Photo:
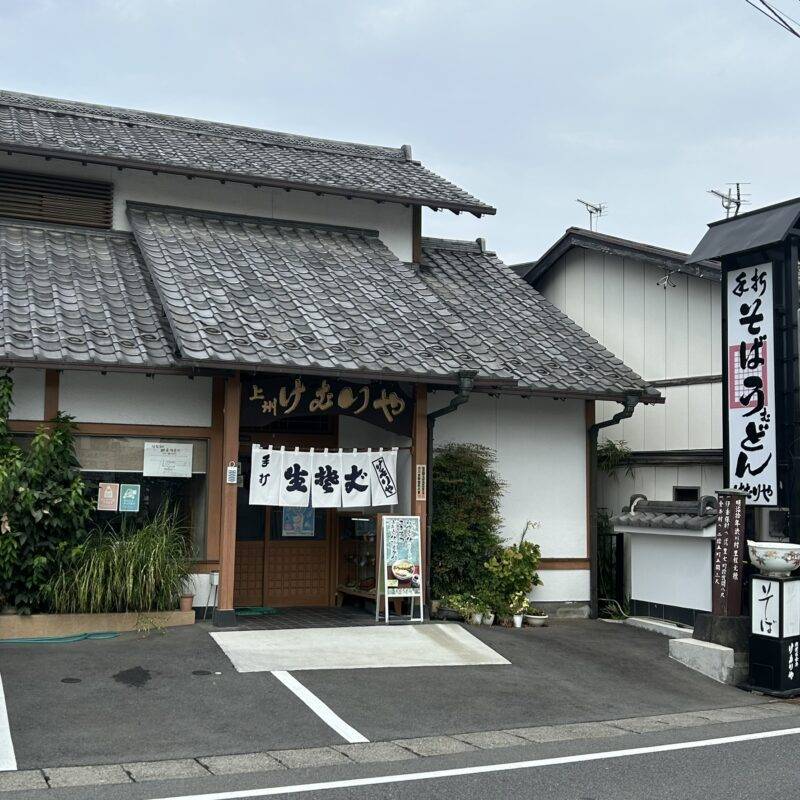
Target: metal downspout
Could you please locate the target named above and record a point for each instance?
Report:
(631, 401)
(466, 380)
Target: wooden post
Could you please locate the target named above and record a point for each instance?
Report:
(419, 473)
(224, 614)
(51, 383)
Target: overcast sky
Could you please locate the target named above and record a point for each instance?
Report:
(641, 104)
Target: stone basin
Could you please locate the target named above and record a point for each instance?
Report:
(774, 559)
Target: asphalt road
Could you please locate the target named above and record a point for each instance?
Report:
(753, 768)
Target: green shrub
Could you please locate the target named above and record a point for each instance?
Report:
(43, 504)
(512, 574)
(142, 567)
(466, 519)
(612, 456)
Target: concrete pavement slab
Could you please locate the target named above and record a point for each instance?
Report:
(488, 740)
(435, 745)
(309, 757)
(736, 714)
(23, 779)
(245, 762)
(563, 733)
(59, 777)
(368, 752)
(155, 770)
(689, 719)
(640, 724)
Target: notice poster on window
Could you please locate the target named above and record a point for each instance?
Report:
(750, 405)
(167, 460)
(402, 556)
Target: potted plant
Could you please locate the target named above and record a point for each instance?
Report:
(519, 606)
(186, 601)
(536, 617)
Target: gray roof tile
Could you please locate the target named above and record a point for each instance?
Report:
(519, 329)
(190, 146)
(72, 295)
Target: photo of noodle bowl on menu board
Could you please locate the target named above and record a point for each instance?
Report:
(401, 556)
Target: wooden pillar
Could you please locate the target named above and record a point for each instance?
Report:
(224, 614)
(51, 382)
(419, 472)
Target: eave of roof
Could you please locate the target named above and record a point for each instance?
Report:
(671, 260)
(754, 230)
(458, 201)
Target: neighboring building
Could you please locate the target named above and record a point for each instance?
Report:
(662, 319)
(169, 280)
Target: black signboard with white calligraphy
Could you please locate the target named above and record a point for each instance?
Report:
(752, 457)
(726, 585)
(266, 399)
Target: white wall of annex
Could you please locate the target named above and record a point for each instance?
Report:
(540, 445)
(660, 333)
(135, 399)
(27, 394)
(391, 220)
(562, 586)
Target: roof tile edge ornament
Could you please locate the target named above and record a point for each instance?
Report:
(424, 187)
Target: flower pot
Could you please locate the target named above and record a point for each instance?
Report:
(435, 605)
(488, 618)
(186, 602)
(476, 618)
(774, 559)
(518, 620)
(536, 620)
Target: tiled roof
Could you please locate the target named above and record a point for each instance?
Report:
(272, 294)
(677, 515)
(29, 123)
(77, 296)
(528, 335)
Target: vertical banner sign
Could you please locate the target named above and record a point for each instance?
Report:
(751, 398)
(402, 556)
(726, 586)
(384, 477)
(266, 470)
(295, 488)
(356, 472)
(326, 491)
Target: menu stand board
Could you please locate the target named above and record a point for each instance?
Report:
(400, 565)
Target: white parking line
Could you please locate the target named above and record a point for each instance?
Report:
(482, 770)
(348, 733)
(8, 761)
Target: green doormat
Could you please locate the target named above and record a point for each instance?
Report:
(255, 611)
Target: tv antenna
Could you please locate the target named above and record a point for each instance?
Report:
(733, 199)
(596, 210)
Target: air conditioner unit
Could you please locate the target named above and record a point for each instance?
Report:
(772, 524)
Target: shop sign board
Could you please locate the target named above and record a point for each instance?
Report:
(402, 561)
(129, 496)
(167, 460)
(107, 496)
(726, 585)
(385, 404)
(751, 402)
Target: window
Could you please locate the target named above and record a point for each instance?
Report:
(120, 459)
(686, 493)
(50, 198)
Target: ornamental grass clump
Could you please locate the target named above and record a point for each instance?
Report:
(141, 567)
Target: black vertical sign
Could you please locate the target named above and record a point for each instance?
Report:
(726, 585)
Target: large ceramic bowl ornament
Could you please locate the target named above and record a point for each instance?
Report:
(774, 559)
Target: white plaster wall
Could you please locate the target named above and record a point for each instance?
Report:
(659, 333)
(135, 398)
(562, 586)
(671, 570)
(656, 483)
(540, 445)
(391, 220)
(359, 434)
(28, 394)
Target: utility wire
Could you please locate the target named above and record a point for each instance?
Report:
(774, 15)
